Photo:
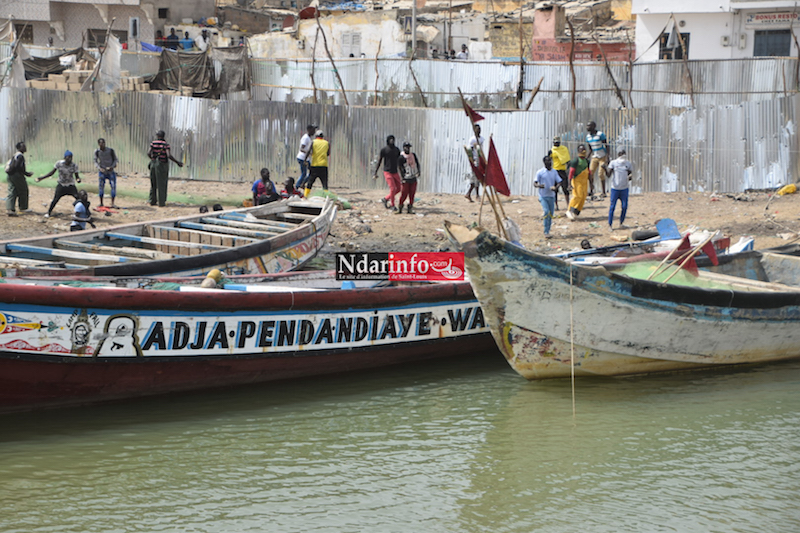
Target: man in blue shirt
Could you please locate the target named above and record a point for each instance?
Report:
(547, 180)
(598, 156)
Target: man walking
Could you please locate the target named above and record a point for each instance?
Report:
(547, 180)
(560, 155)
(621, 174)
(160, 156)
(320, 154)
(598, 153)
(302, 155)
(390, 156)
(579, 180)
(476, 147)
(410, 171)
(67, 178)
(105, 159)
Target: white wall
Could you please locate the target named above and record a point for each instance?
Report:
(706, 28)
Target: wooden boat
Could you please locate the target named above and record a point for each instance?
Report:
(549, 316)
(67, 341)
(271, 238)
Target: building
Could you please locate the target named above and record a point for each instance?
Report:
(715, 29)
(67, 22)
(593, 22)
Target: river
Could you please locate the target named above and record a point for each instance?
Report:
(454, 445)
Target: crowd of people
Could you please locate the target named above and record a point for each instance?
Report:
(573, 176)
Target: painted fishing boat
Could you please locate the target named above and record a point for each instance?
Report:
(271, 238)
(68, 341)
(551, 317)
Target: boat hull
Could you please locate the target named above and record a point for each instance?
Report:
(66, 345)
(549, 318)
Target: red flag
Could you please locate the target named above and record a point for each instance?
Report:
(711, 252)
(473, 116)
(494, 172)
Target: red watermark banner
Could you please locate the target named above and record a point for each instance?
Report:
(401, 266)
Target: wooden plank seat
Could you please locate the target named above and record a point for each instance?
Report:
(228, 231)
(69, 254)
(242, 225)
(241, 217)
(297, 216)
(167, 242)
(113, 250)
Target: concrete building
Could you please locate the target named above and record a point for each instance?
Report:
(66, 22)
(716, 29)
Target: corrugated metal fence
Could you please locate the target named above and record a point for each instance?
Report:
(493, 85)
(724, 148)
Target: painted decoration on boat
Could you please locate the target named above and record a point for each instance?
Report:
(98, 333)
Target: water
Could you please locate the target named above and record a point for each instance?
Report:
(457, 445)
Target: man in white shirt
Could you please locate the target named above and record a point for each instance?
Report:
(464, 53)
(202, 41)
(302, 155)
(476, 147)
(621, 173)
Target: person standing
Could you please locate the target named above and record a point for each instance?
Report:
(302, 155)
(160, 156)
(390, 156)
(320, 153)
(560, 156)
(202, 40)
(81, 214)
(621, 174)
(105, 159)
(547, 181)
(67, 178)
(409, 170)
(464, 53)
(172, 39)
(598, 154)
(476, 148)
(579, 180)
(187, 43)
(17, 183)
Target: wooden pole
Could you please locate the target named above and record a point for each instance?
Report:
(608, 70)
(314, 64)
(534, 93)
(377, 75)
(630, 69)
(685, 61)
(414, 76)
(330, 58)
(694, 253)
(521, 84)
(572, 58)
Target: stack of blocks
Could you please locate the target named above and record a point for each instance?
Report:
(73, 80)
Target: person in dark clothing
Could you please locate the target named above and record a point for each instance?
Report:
(264, 190)
(17, 184)
(67, 178)
(173, 40)
(160, 156)
(410, 170)
(81, 214)
(390, 156)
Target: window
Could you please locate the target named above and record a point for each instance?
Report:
(163, 13)
(773, 43)
(351, 44)
(24, 33)
(98, 37)
(672, 53)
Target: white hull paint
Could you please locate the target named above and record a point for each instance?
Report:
(544, 324)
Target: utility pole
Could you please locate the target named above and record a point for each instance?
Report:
(413, 28)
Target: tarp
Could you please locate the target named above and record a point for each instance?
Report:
(232, 69)
(41, 67)
(180, 69)
(109, 78)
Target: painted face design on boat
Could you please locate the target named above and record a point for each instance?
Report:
(120, 339)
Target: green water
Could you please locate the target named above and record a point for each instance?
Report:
(449, 446)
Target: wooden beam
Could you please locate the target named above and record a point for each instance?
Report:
(226, 231)
(81, 256)
(113, 250)
(167, 242)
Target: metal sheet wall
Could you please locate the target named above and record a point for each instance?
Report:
(723, 148)
(493, 85)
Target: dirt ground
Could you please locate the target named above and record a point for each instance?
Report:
(772, 220)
